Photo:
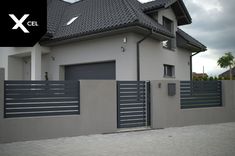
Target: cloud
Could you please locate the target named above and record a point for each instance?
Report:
(213, 25)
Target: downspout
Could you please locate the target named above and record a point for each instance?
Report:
(191, 65)
(138, 53)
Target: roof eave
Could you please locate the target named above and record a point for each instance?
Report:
(201, 48)
(191, 48)
(185, 18)
(153, 9)
(136, 28)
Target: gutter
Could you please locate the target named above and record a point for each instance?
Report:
(138, 53)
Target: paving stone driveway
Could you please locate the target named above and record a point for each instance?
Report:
(203, 140)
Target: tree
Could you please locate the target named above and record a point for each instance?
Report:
(227, 61)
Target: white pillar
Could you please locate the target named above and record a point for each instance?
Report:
(36, 61)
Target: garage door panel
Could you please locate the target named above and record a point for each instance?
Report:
(97, 71)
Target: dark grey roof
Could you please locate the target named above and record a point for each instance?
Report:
(97, 16)
(55, 9)
(190, 40)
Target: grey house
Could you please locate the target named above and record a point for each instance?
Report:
(226, 74)
(108, 39)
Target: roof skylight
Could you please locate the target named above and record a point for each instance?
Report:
(71, 20)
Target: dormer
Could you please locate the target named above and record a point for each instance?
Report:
(177, 6)
(170, 14)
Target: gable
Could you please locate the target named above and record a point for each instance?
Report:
(168, 13)
(182, 15)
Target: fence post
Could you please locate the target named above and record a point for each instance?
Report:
(2, 77)
(221, 93)
(118, 107)
(148, 103)
(79, 98)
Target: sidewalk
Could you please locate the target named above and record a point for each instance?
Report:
(203, 140)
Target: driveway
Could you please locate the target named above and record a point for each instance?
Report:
(202, 140)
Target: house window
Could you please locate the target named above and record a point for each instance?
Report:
(168, 24)
(169, 70)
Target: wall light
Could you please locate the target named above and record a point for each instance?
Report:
(125, 40)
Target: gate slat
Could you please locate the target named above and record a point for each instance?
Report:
(134, 121)
(54, 99)
(132, 125)
(132, 117)
(41, 105)
(132, 98)
(25, 109)
(38, 114)
(132, 105)
(132, 109)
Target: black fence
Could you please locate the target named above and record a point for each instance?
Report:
(133, 104)
(41, 98)
(196, 94)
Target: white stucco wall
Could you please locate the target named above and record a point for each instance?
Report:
(153, 56)
(15, 64)
(12, 60)
(97, 50)
(5, 52)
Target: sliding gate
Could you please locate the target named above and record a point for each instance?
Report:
(133, 103)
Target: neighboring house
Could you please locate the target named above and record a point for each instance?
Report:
(108, 39)
(199, 75)
(226, 74)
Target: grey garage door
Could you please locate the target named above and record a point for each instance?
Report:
(95, 71)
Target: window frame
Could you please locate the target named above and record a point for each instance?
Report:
(166, 71)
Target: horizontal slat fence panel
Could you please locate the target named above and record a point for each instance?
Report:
(198, 94)
(41, 98)
(132, 104)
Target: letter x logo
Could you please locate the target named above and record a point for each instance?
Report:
(19, 23)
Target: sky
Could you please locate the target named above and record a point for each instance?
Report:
(214, 26)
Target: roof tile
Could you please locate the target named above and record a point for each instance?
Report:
(97, 15)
